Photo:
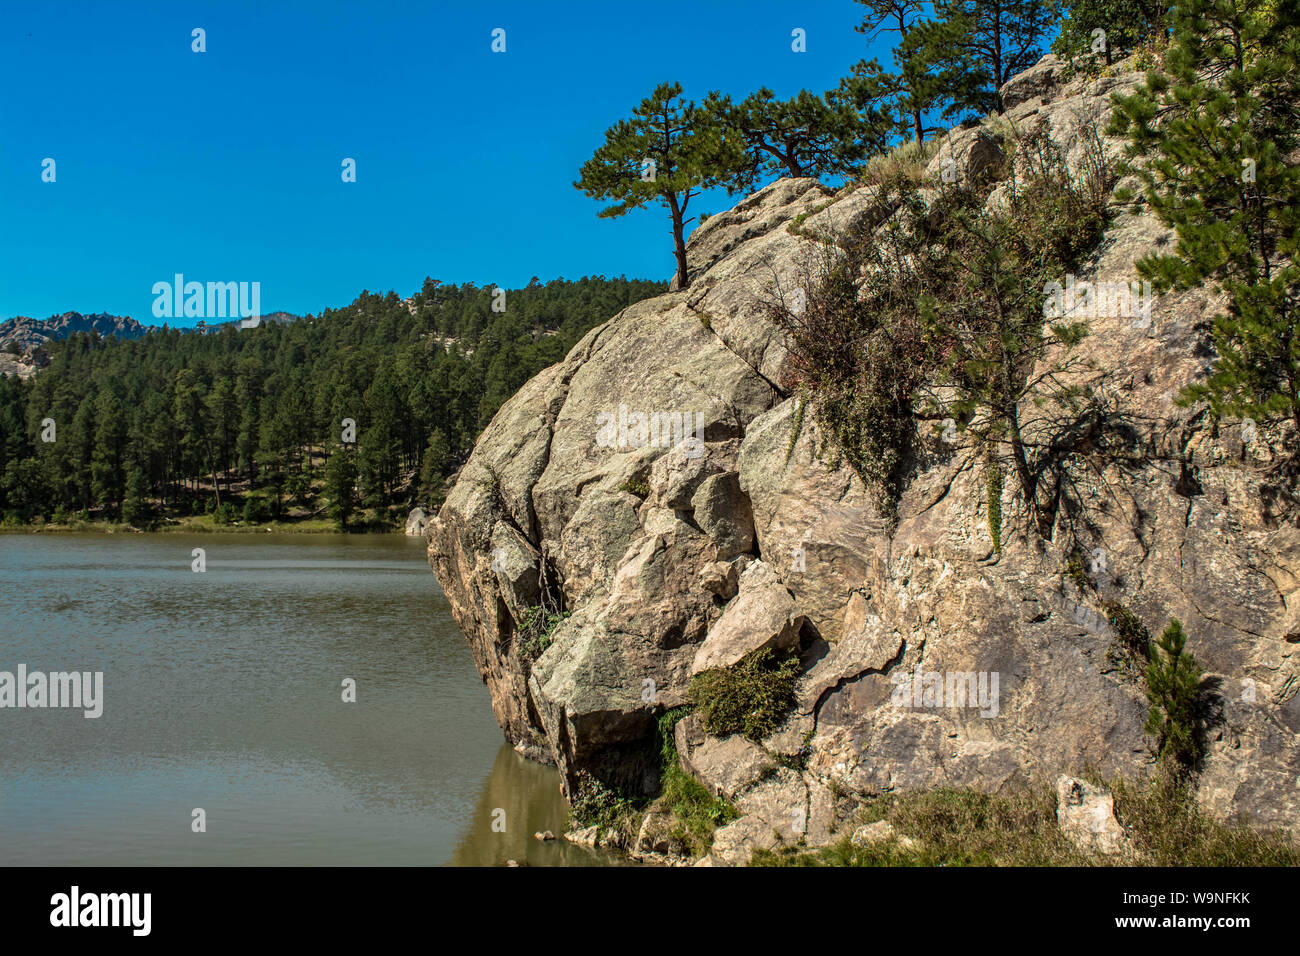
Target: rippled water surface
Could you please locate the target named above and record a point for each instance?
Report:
(222, 691)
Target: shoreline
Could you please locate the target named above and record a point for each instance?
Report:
(108, 528)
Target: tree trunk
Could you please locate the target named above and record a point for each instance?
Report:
(1028, 484)
(998, 78)
(679, 243)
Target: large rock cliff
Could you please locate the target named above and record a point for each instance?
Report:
(680, 553)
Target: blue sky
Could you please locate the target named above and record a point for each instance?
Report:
(225, 165)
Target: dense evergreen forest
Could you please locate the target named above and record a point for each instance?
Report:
(249, 424)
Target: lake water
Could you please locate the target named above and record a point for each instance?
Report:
(223, 691)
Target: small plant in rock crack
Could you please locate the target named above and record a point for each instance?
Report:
(636, 486)
(798, 761)
(1132, 639)
(536, 631)
(993, 488)
(489, 482)
(1074, 570)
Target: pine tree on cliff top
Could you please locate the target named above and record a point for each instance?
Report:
(915, 90)
(973, 47)
(807, 135)
(1123, 25)
(669, 151)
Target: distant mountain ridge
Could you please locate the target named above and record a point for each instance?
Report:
(27, 333)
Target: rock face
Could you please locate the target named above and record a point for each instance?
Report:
(13, 365)
(662, 487)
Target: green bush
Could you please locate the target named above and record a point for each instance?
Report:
(596, 804)
(751, 697)
(636, 486)
(257, 510)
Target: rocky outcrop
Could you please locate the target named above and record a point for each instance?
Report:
(762, 616)
(22, 334)
(663, 488)
(23, 367)
(416, 522)
(1086, 815)
(1039, 82)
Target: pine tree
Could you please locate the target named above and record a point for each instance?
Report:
(973, 47)
(107, 466)
(807, 135)
(1123, 25)
(223, 414)
(912, 88)
(341, 486)
(432, 469)
(134, 507)
(377, 463)
(1217, 131)
(669, 151)
(1173, 686)
(76, 462)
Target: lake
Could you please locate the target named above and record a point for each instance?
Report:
(223, 691)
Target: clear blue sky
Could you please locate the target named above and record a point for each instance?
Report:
(225, 165)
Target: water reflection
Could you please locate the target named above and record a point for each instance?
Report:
(529, 793)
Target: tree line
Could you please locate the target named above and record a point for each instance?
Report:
(951, 59)
(248, 423)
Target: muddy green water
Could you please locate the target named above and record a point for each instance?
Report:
(223, 690)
